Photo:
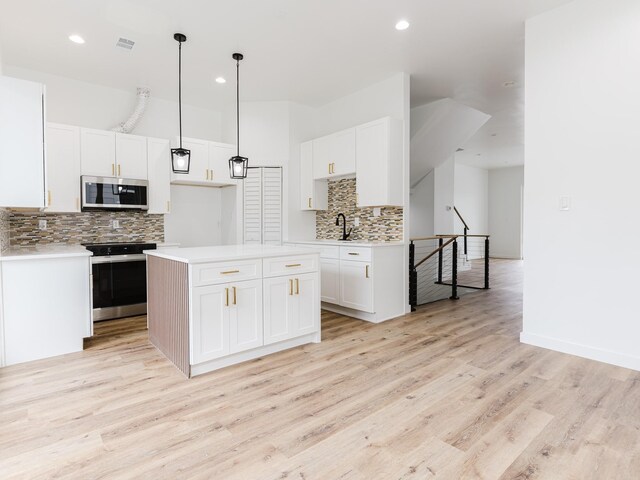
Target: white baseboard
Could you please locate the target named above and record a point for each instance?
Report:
(592, 353)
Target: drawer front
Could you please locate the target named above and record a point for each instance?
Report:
(293, 265)
(224, 272)
(357, 254)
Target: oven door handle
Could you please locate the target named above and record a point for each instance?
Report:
(118, 259)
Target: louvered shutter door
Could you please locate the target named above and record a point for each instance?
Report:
(253, 206)
(272, 206)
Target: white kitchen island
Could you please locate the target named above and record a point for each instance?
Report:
(211, 307)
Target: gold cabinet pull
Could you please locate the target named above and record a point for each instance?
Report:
(294, 265)
(329, 168)
(207, 174)
(366, 272)
(48, 198)
(235, 296)
(113, 169)
(211, 174)
(333, 168)
(297, 287)
(229, 272)
(353, 253)
(118, 170)
(309, 202)
(168, 206)
(290, 286)
(226, 295)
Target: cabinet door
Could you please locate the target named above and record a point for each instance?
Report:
(98, 152)
(278, 310)
(356, 285)
(330, 280)
(199, 162)
(131, 156)
(210, 323)
(22, 160)
(306, 176)
(322, 158)
(307, 305)
(245, 325)
(219, 155)
(159, 168)
(63, 168)
(343, 152)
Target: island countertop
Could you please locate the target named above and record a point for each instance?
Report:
(196, 255)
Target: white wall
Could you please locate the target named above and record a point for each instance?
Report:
(581, 265)
(89, 105)
(505, 211)
(471, 197)
(422, 207)
(443, 197)
(195, 217)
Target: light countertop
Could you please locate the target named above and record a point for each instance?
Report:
(340, 243)
(194, 255)
(43, 252)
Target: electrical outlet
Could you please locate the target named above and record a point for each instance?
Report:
(42, 224)
(356, 222)
(115, 224)
(377, 211)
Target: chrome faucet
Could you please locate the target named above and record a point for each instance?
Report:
(345, 235)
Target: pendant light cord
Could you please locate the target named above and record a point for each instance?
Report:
(238, 105)
(180, 89)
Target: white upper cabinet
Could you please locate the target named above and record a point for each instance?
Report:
(209, 163)
(131, 156)
(379, 163)
(219, 155)
(22, 144)
(322, 157)
(343, 153)
(98, 152)
(335, 155)
(63, 168)
(159, 169)
(313, 193)
(104, 153)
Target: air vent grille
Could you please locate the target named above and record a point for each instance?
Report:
(125, 43)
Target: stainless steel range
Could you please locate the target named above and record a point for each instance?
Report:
(119, 272)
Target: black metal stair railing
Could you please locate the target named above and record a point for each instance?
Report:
(438, 270)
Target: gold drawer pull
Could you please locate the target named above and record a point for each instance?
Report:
(353, 253)
(290, 286)
(309, 202)
(367, 272)
(229, 272)
(294, 265)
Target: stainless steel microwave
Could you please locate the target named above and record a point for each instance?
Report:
(107, 193)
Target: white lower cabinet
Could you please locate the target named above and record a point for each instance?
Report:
(290, 307)
(330, 280)
(227, 319)
(356, 285)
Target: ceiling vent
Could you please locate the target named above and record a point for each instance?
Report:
(125, 43)
(460, 150)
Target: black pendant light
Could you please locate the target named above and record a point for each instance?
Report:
(238, 165)
(180, 157)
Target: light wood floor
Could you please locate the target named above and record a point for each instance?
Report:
(447, 392)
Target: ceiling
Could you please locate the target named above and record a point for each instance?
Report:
(307, 51)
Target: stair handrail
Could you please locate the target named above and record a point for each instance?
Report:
(437, 250)
(461, 219)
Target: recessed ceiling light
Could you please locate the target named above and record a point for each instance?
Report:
(76, 39)
(402, 25)
(221, 80)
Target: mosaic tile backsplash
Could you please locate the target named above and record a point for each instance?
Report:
(342, 199)
(86, 227)
(4, 229)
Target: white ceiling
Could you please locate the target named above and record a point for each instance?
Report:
(308, 51)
